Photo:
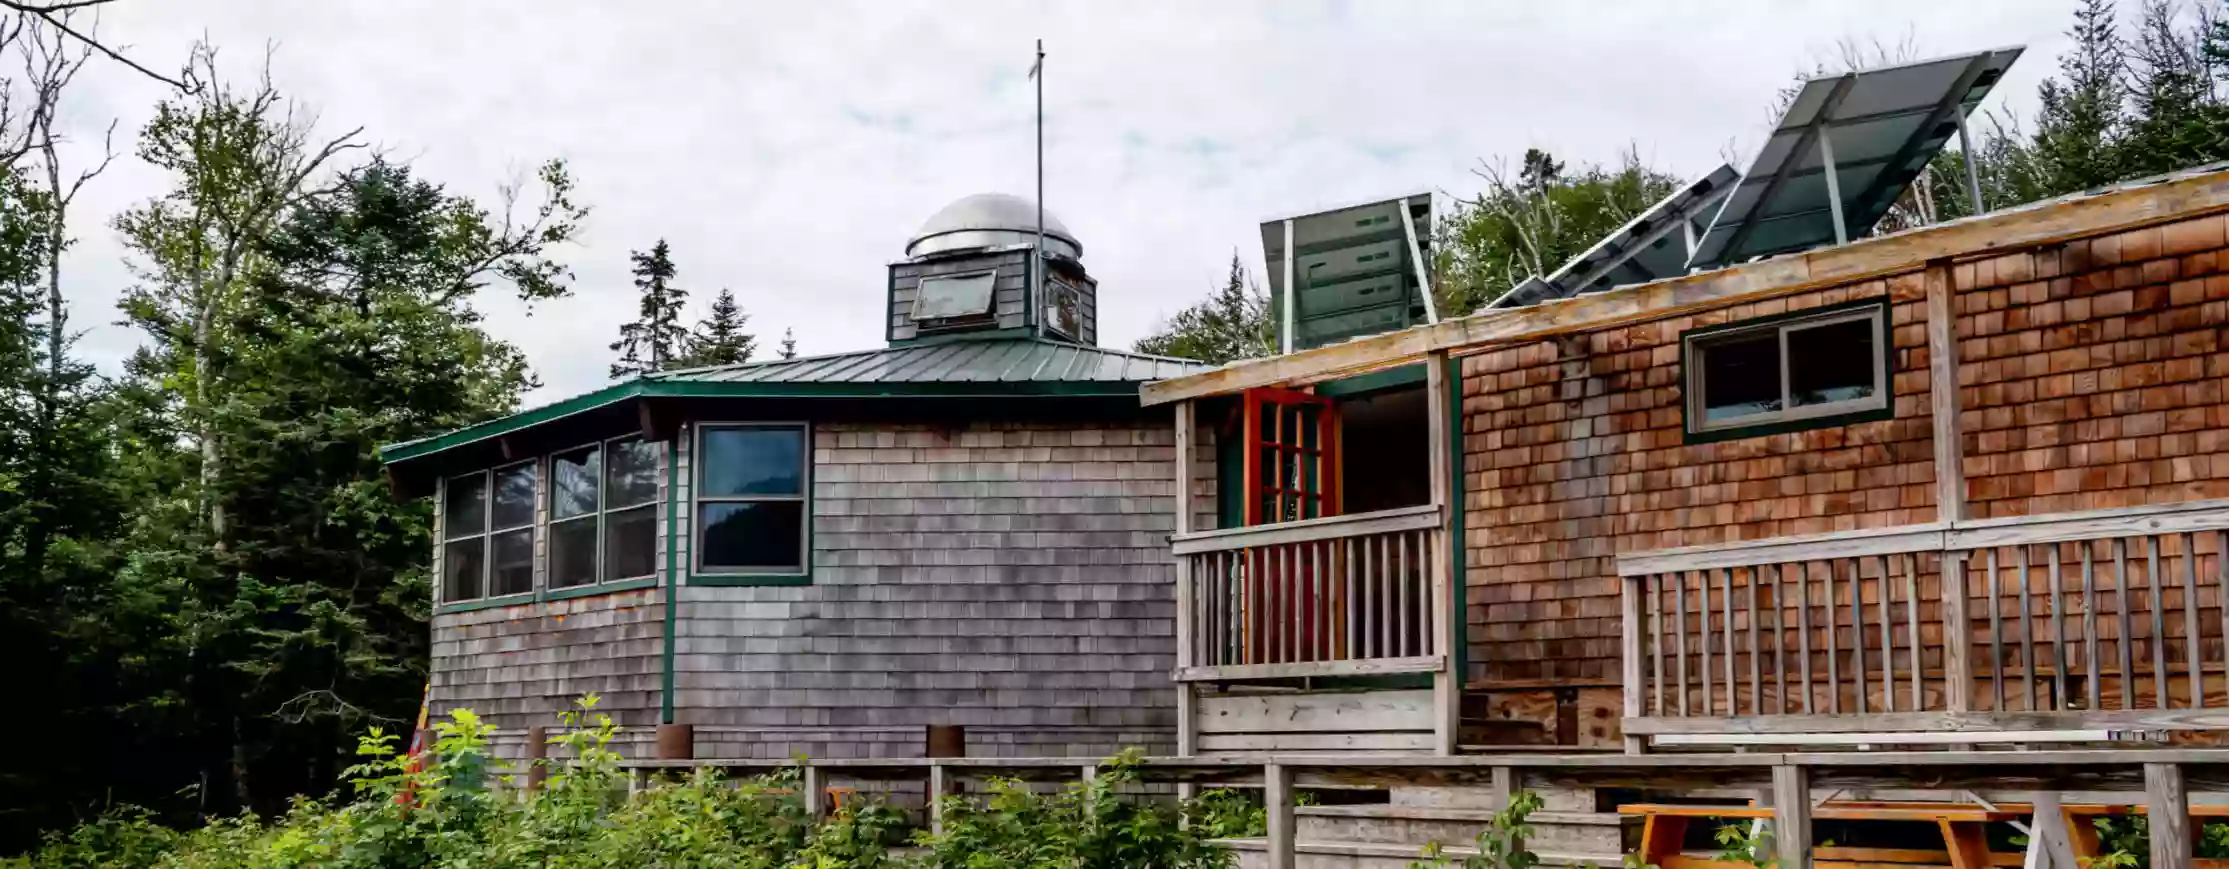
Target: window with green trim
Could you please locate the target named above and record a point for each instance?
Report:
(751, 499)
(487, 547)
(603, 513)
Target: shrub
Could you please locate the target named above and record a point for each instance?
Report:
(456, 808)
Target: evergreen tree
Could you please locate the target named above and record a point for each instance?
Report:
(2080, 120)
(656, 340)
(1233, 323)
(789, 343)
(1531, 224)
(719, 338)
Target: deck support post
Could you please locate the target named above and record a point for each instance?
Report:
(812, 785)
(1447, 683)
(2168, 806)
(537, 757)
(1791, 816)
(939, 785)
(1277, 802)
(1504, 787)
(1187, 597)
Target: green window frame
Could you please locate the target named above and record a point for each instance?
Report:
(753, 502)
(610, 534)
(485, 539)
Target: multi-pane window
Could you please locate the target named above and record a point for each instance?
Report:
(1805, 368)
(487, 547)
(603, 513)
(750, 499)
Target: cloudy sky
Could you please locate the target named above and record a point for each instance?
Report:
(788, 150)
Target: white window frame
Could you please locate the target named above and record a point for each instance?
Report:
(1696, 345)
(956, 321)
(448, 538)
(804, 497)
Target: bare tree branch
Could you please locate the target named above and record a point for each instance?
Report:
(56, 15)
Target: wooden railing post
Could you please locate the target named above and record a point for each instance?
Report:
(1187, 597)
(1277, 802)
(1791, 816)
(1447, 684)
(1631, 638)
(1958, 636)
(813, 784)
(2169, 809)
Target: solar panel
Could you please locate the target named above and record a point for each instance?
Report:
(1877, 128)
(1356, 270)
(1654, 245)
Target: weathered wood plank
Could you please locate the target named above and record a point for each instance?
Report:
(1407, 709)
(1631, 626)
(1277, 801)
(1919, 722)
(1359, 741)
(2169, 808)
(1305, 530)
(1791, 806)
(1299, 669)
(1942, 393)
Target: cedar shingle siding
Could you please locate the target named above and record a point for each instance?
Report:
(1011, 577)
(2091, 377)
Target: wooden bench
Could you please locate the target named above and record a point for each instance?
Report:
(1964, 829)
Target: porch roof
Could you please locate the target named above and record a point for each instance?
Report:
(2122, 206)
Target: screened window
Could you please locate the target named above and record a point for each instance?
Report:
(487, 547)
(1819, 369)
(603, 513)
(750, 499)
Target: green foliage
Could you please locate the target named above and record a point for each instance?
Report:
(1501, 845)
(656, 340)
(1234, 323)
(719, 338)
(1228, 814)
(1531, 223)
(447, 809)
(1745, 843)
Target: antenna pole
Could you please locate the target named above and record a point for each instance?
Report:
(1043, 261)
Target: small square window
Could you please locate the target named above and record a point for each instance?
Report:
(462, 564)
(751, 499)
(511, 571)
(573, 479)
(630, 542)
(573, 552)
(1814, 370)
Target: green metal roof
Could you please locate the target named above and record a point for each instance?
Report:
(1017, 361)
(953, 369)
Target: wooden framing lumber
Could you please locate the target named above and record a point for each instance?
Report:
(2012, 229)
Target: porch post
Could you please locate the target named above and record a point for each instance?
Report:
(1630, 633)
(1447, 682)
(1185, 593)
(1277, 803)
(1791, 816)
(1950, 480)
(2169, 807)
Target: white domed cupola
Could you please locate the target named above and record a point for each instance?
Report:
(970, 273)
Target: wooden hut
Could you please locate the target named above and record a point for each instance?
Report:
(829, 555)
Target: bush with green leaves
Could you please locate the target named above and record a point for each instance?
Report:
(455, 806)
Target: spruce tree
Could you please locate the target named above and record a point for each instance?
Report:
(656, 340)
(789, 343)
(1233, 323)
(719, 338)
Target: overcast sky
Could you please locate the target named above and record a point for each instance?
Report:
(787, 151)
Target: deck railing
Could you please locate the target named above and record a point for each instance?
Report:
(1345, 595)
(2100, 619)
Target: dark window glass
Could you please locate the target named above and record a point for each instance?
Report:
(514, 497)
(513, 571)
(572, 553)
(630, 543)
(753, 461)
(462, 563)
(1741, 376)
(573, 482)
(465, 511)
(766, 535)
(632, 474)
(1831, 363)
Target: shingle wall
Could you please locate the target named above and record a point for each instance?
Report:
(1014, 578)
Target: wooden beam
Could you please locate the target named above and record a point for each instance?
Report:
(1277, 801)
(939, 785)
(1942, 393)
(1791, 824)
(1302, 669)
(1187, 596)
(656, 418)
(1938, 722)
(1630, 642)
(2169, 808)
(1419, 518)
(1447, 685)
(2013, 229)
(813, 784)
